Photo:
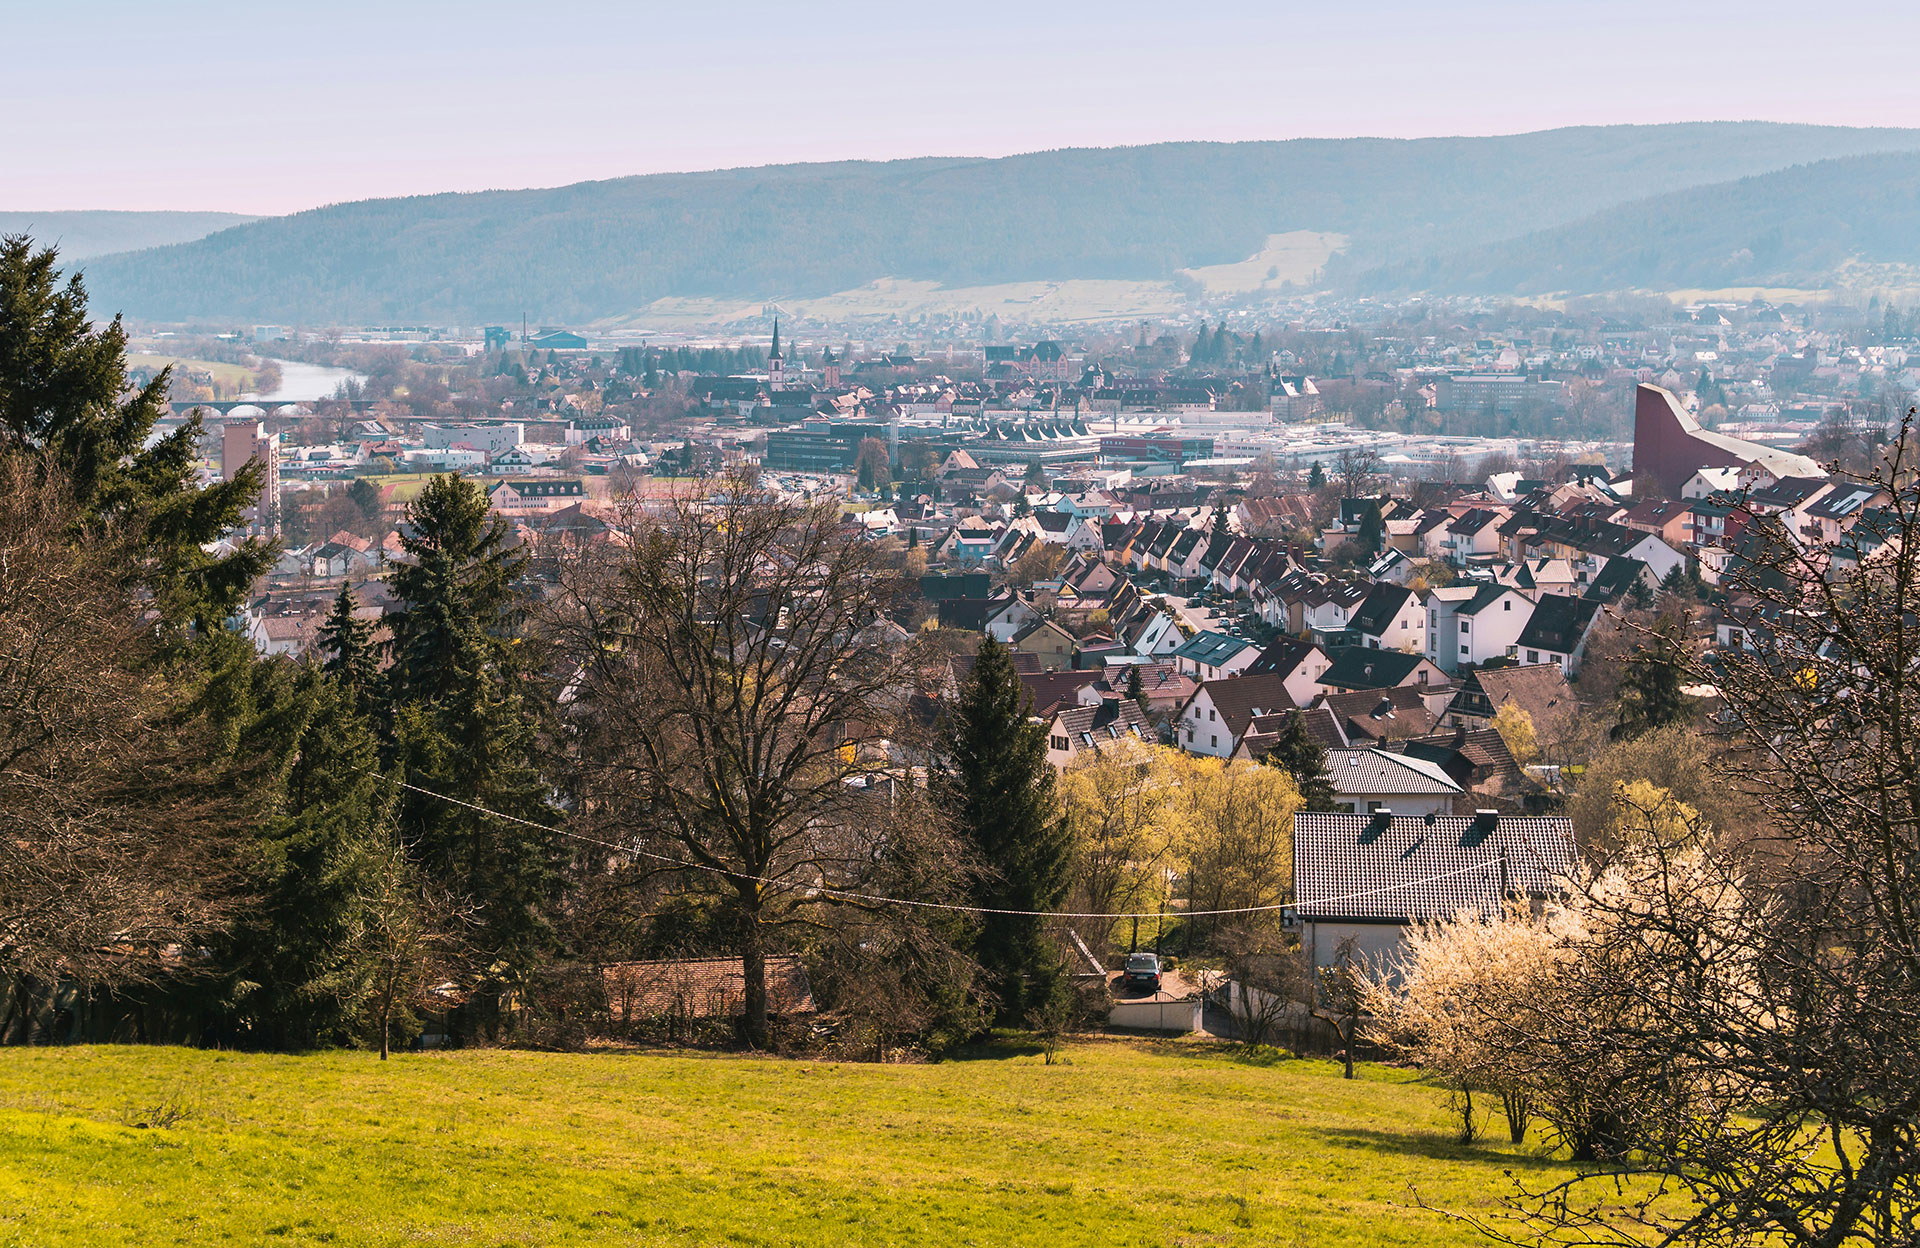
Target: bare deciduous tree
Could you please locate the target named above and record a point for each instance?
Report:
(742, 705)
(1768, 985)
(105, 865)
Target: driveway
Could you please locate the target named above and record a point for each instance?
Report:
(1174, 986)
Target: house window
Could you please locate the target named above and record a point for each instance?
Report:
(1466, 626)
(1059, 743)
(1507, 605)
(1189, 736)
(1209, 713)
(1463, 648)
(1216, 740)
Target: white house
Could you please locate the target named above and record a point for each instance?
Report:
(1299, 665)
(1391, 617)
(1366, 781)
(1469, 624)
(1221, 712)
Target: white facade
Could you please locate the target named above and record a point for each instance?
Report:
(1469, 624)
(490, 439)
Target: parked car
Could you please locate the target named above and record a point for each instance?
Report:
(1143, 971)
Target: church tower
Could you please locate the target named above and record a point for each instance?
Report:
(831, 366)
(776, 366)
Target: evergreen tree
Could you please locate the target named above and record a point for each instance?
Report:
(1136, 688)
(1373, 530)
(463, 720)
(293, 974)
(1316, 475)
(463, 609)
(1305, 759)
(348, 652)
(999, 787)
(66, 402)
(1652, 693)
(366, 496)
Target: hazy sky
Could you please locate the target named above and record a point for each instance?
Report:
(271, 106)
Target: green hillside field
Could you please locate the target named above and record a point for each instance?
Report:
(1120, 1143)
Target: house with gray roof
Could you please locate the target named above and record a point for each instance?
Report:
(1368, 878)
(1368, 781)
(1210, 656)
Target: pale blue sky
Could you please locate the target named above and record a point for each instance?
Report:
(271, 106)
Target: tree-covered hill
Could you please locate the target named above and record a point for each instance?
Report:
(1793, 227)
(598, 249)
(80, 235)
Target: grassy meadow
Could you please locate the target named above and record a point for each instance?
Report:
(1121, 1143)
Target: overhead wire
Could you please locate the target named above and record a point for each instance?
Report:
(841, 894)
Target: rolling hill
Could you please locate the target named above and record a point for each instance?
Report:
(82, 235)
(602, 250)
(1794, 227)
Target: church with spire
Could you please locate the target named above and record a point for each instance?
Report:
(776, 363)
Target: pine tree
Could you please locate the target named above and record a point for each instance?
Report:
(366, 496)
(1652, 693)
(463, 610)
(463, 723)
(348, 652)
(1303, 758)
(292, 971)
(1316, 476)
(999, 787)
(65, 400)
(1136, 688)
(1373, 530)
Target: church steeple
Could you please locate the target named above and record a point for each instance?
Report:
(776, 365)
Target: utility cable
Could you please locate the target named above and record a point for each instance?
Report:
(841, 894)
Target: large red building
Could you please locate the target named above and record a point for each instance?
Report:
(1669, 446)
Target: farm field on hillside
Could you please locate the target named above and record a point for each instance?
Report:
(1123, 1144)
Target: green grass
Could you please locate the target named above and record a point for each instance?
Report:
(1124, 1144)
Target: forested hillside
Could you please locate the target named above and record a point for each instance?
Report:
(1795, 227)
(81, 235)
(598, 249)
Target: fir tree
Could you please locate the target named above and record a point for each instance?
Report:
(347, 651)
(463, 724)
(65, 400)
(1652, 693)
(1373, 530)
(1303, 758)
(999, 787)
(1316, 476)
(366, 496)
(463, 609)
(293, 974)
(1136, 688)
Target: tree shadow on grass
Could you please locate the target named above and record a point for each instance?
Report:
(999, 1048)
(1436, 1146)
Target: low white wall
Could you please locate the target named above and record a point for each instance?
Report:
(1174, 1016)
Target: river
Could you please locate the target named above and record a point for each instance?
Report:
(305, 382)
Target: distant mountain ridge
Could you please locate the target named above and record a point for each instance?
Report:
(598, 250)
(82, 235)
(1796, 228)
